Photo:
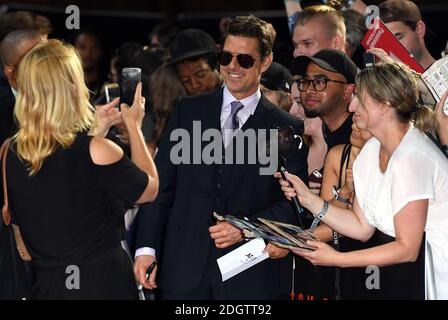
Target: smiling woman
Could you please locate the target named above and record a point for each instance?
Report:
(401, 185)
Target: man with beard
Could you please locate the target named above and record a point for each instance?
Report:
(326, 87)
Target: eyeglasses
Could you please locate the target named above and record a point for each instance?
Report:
(319, 84)
(246, 61)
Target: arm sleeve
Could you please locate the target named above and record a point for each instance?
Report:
(123, 182)
(152, 216)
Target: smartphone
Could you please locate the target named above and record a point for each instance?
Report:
(130, 77)
(112, 91)
(369, 59)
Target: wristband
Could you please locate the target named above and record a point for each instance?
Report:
(338, 197)
(319, 216)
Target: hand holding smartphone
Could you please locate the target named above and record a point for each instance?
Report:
(130, 77)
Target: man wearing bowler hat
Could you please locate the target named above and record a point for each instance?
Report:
(194, 56)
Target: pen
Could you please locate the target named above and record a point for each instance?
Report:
(148, 273)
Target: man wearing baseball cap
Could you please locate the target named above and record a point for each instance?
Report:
(404, 19)
(326, 83)
(275, 85)
(193, 54)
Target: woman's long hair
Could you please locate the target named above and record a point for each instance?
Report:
(165, 88)
(52, 102)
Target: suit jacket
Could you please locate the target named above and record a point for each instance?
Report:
(7, 102)
(177, 222)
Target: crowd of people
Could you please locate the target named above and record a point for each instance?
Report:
(90, 182)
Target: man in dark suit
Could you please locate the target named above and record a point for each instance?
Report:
(179, 227)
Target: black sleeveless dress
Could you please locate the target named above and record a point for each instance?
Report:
(70, 214)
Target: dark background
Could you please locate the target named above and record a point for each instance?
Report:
(118, 21)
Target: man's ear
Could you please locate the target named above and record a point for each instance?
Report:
(266, 62)
(420, 29)
(10, 72)
(338, 43)
(348, 93)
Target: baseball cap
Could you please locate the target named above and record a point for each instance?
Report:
(277, 77)
(191, 43)
(329, 59)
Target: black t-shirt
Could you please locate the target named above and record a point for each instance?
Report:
(341, 135)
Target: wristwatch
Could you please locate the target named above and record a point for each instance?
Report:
(338, 197)
(319, 216)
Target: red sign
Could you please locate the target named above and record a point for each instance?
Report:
(379, 36)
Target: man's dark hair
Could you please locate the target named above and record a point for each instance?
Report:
(16, 20)
(211, 59)
(10, 47)
(253, 27)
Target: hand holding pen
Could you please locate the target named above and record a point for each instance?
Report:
(145, 268)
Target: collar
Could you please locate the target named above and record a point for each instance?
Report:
(249, 102)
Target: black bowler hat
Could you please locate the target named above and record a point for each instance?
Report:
(277, 77)
(191, 43)
(329, 59)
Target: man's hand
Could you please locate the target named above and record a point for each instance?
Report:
(106, 116)
(225, 234)
(275, 252)
(142, 264)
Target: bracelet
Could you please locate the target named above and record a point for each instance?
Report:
(319, 216)
(338, 197)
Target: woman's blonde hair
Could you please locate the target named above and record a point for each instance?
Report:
(396, 85)
(52, 102)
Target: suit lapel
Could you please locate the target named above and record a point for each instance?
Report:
(211, 111)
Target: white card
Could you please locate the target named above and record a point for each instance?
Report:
(242, 258)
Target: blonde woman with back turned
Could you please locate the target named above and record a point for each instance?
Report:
(68, 191)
